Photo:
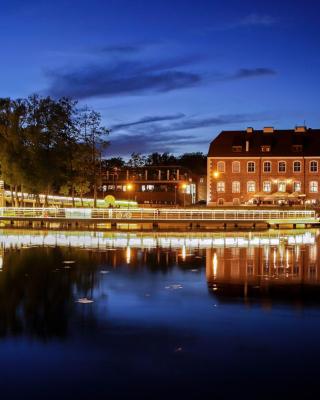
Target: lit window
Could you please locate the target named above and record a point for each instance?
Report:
(220, 166)
(265, 149)
(281, 166)
(251, 186)
(313, 166)
(297, 186)
(220, 186)
(267, 166)
(282, 186)
(313, 187)
(251, 166)
(235, 166)
(237, 149)
(296, 166)
(235, 187)
(267, 186)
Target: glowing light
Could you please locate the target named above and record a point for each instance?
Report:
(129, 186)
(216, 174)
(214, 265)
(183, 253)
(128, 255)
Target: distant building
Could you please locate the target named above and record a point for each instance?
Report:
(170, 185)
(264, 166)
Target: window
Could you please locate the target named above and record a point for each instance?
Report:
(220, 202)
(267, 166)
(297, 186)
(237, 149)
(235, 166)
(236, 201)
(282, 186)
(220, 166)
(251, 186)
(313, 166)
(297, 148)
(313, 187)
(235, 187)
(265, 149)
(296, 166)
(220, 186)
(267, 186)
(251, 166)
(281, 166)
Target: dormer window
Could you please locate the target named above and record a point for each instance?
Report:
(265, 149)
(297, 148)
(237, 149)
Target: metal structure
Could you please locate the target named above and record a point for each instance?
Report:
(136, 215)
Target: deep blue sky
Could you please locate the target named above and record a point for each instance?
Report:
(168, 75)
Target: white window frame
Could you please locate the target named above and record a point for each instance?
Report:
(221, 166)
(254, 167)
(285, 166)
(264, 163)
(270, 185)
(294, 186)
(310, 166)
(284, 185)
(233, 167)
(236, 187)
(293, 166)
(313, 187)
(249, 183)
(223, 187)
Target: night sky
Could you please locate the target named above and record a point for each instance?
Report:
(168, 75)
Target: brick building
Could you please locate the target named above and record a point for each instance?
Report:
(264, 166)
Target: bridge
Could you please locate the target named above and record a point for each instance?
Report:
(168, 216)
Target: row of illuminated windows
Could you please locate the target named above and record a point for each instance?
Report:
(267, 186)
(267, 166)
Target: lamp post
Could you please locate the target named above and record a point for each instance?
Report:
(184, 186)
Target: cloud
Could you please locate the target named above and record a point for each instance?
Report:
(157, 135)
(121, 48)
(147, 120)
(244, 73)
(257, 20)
(122, 78)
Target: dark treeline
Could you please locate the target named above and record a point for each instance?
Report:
(196, 162)
(50, 146)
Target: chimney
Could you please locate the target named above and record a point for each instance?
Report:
(247, 145)
(300, 129)
(268, 129)
(249, 129)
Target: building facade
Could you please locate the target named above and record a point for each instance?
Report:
(264, 167)
(167, 185)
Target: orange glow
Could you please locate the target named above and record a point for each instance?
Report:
(129, 186)
(216, 174)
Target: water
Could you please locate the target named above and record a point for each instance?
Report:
(97, 316)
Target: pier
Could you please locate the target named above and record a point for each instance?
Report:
(153, 218)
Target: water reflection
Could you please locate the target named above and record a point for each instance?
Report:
(43, 274)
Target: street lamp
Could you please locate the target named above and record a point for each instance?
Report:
(184, 186)
(216, 174)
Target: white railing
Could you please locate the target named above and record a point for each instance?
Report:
(153, 214)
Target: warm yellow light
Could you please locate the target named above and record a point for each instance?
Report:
(128, 255)
(214, 265)
(184, 186)
(129, 186)
(216, 174)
